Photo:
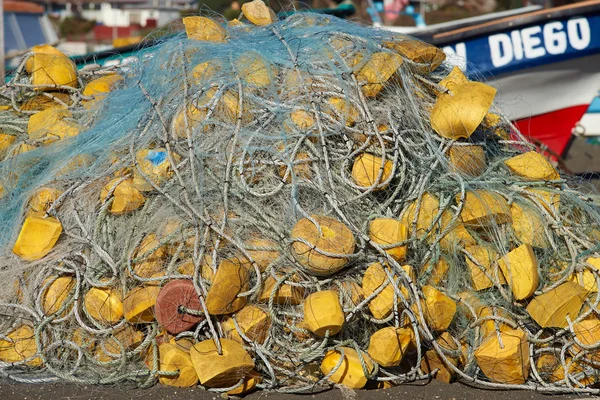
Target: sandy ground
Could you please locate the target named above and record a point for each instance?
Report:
(583, 157)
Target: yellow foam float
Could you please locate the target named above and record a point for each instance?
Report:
(221, 370)
(285, 294)
(388, 346)
(388, 231)
(205, 29)
(323, 313)
(551, 308)
(422, 222)
(528, 225)
(230, 280)
(154, 165)
(263, 258)
(104, 304)
(367, 169)
(377, 71)
(587, 276)
(341, 107)
(445, 366)
(252, 320)
(258, 13)
(6, 141)
(42, 49)
(457, 114)
(20, 347)
(438, 309)
(174, 359)
(334, 237)
(483, 208)
(138, 304)
(520, 269)
(383, 303)
(486, 257)
(254, 69)
(56, 294)
(426, 56)
(51, 125)
(350, 372)
(532, 166)
(37, 237)
(126, 197)
(467, 160)
(504, 358)
(42, 199)
(50, 71)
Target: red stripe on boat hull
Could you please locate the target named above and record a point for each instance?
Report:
(554, 128)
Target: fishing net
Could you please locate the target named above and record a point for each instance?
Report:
(286, 205)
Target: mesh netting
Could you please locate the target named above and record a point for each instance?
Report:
(286, 206)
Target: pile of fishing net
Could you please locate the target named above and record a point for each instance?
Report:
(286, 205)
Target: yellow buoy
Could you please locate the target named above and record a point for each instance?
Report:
(302, 119)
(342, 108)
(205, 29)
(387, 346)
(138, 304)
(350, 372)
(174, 359)
(6, 141)
(51, 70)
(37, 237)
(220, 370)
(21, 346)
(520, 269)
(532, 166)
(252, 320)
(104, 304)
(438, 309)
(42, 49)
(528, 225)
(323, 313)
(372, 171)
(432, 359)
(329, 236)
(454, 78)
(154, 166)
(551, 308)
(383, 303)
(126, 197)
(258, 13)
(421, 222)
(43, 198)
(51, 125)
(101, 85)
(426, 56)
(254, 69)
(263, 258)
(483, 208)
(484, 268)
(388, 231)
(377, 71)
(56, 294)
(230, 280)
(285, 293)
(504, 358)
(457, 114)
(467, 160)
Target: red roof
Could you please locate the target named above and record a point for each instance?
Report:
(22, 6)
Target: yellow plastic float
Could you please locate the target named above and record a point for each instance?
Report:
(205, 29)
(334, 237)
(138, 304)
(49, 71)
(520, 269)
(126, 197)
(467, 160)
(252, 320)
(56, 294)
(504, 358)
(20, 347)
(104, 304)
(366, 170)
(532, 166)
(323, 313)
(230, 280)
(377, 71)
(174, 359)
(483, 208)
(388, 346)
(388, 231)
(221, 370)
(551, 308)
(258, 13)
(37, 237)
(350, 372)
